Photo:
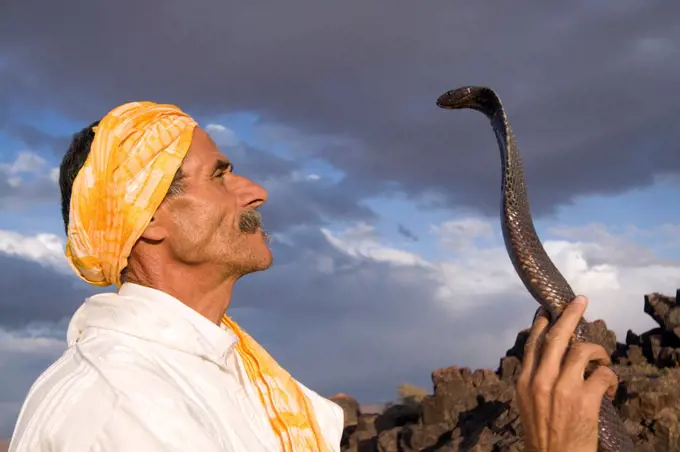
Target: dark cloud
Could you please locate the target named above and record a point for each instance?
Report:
(586, 83)
(25, 299)
(36, 190)
(22, 360)
(259, 165)
(37, 139)
(295, 198)
(310, 203)
(406, 232)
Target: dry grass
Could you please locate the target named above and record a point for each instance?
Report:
(410, 394)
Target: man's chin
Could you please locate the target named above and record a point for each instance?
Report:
(267, 258)
(263, 257)
(261, 263)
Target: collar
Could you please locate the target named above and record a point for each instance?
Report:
(155, 316)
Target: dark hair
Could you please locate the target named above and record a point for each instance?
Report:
(73, 162)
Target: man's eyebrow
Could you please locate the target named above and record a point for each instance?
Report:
(223, 165)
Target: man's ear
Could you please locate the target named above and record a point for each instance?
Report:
(155, 231)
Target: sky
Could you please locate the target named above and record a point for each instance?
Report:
(384, 210)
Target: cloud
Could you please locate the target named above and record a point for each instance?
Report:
(26, 162)
(585, 85)
(461, 235)
(25, 180)
(31, 264)
(222, 135)
(23, 356)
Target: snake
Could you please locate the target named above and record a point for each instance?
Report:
(530, 260)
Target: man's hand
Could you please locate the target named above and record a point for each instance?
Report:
(559, 409)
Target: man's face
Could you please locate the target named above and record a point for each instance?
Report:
(211, 221)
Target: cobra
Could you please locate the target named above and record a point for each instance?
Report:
(530, 260)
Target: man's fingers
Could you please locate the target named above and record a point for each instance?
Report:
(579, 356)
(532, 353)
(557, 339)
(602, 381)
(533, 343)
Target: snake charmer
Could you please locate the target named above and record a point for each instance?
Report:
(153, 207)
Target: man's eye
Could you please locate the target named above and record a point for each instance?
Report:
(220, 174)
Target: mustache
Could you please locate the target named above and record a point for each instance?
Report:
(250, 221)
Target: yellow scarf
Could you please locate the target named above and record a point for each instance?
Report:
(137, 149)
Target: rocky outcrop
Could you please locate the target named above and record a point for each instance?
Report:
(476, 410)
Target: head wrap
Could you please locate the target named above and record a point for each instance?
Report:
(137, 149)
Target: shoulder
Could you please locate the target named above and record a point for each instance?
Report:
(95, 390)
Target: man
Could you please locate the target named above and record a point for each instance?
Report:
(151, 205)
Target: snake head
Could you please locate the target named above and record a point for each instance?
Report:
(480, 98)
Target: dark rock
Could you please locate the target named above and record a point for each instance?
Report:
(509, 368)
(388, 440)
(660, 307)
(635, 356)
(654, 347)
(666, 430)
(632, 338)
(397, 416)
(350, 407)
(598, 333)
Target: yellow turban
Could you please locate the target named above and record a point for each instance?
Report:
(137, 149)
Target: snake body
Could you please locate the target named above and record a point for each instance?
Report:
(530, 260)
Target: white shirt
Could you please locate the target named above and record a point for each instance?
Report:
(143, 372)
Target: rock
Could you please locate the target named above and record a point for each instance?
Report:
(635, 356)
(397, 416)
(653, 343)
(599, 334)
(350, 407)
(424, 437)
(476, 410)
(353, 419)
(632, 338)
(509, 369)
(660, 308)
(666, 430)
(388, 441)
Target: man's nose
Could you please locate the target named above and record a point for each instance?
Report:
(252, 194)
